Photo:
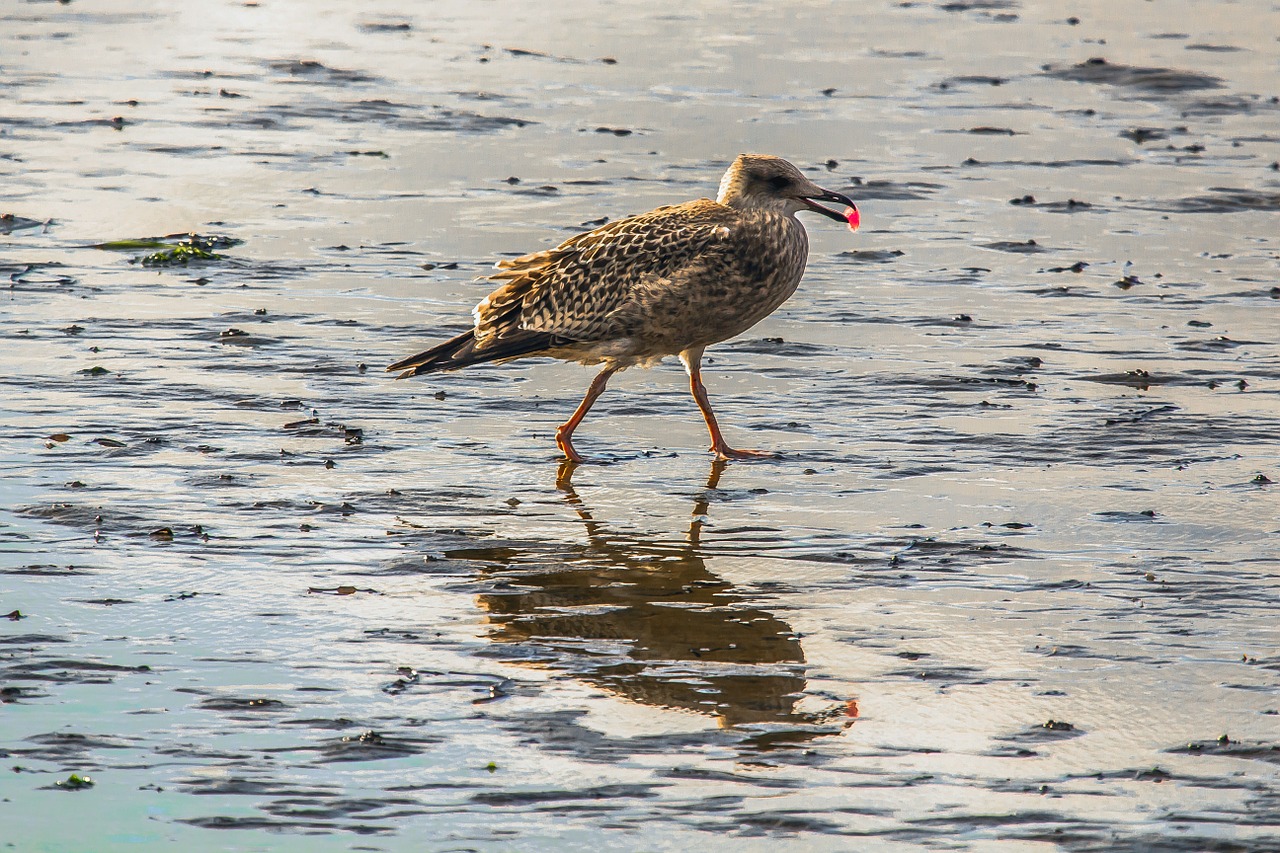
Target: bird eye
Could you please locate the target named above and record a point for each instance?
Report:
(779, 182)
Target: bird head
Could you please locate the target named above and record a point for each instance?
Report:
(763, 182)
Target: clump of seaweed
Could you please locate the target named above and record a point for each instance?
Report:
(174, 249)
(181, 254)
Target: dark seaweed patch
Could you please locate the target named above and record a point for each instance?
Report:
(1142, 379)
(881, 190)
(972, 80)
(372, 746)
(1162, 81)
(871, 256)
(237, 704)
(415, 117)
(70, 748)
(387, 26)
(36, 276)
(778, 346)
(313, 71)
(1221, 200)
(562, 797)
(9, 223)
(1049, 731)
(944, 674)
(972, 5)
(1070, 205)
(1225, 747)
(1017, 247)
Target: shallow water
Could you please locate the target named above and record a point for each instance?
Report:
(1011, 585)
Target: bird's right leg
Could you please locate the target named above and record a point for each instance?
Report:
(564, 433)
(692, 359)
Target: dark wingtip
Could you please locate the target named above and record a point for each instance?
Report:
(401, 365)
(442, 356)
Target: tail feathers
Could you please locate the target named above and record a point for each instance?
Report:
(461, 351)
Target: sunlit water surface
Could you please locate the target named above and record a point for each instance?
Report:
(1010, 586)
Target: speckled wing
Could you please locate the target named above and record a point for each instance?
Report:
(579, 291)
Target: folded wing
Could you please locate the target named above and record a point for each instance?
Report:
(580, 291)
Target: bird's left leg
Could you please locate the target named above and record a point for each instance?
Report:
(564, 433)
(692, 359)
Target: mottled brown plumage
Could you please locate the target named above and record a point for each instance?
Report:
(671, 281)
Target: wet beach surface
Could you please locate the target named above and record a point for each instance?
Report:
(1011, 585)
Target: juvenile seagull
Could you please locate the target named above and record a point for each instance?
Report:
(671, 281)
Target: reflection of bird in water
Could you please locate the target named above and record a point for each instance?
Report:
(648, 621)
(671, 281)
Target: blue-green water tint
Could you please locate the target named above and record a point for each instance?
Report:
(1027, 419)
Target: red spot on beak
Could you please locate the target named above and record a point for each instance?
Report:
(851, 214)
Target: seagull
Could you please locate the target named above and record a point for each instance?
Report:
(672, 281)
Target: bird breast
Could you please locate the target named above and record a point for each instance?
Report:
(726, 291)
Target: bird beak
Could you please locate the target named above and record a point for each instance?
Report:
(850, 215)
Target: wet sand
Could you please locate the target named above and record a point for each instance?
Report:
(1010, 586)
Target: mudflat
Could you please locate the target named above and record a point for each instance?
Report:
(1010, 585)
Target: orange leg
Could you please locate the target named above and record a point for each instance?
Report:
(564, 433)
(693, 366)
